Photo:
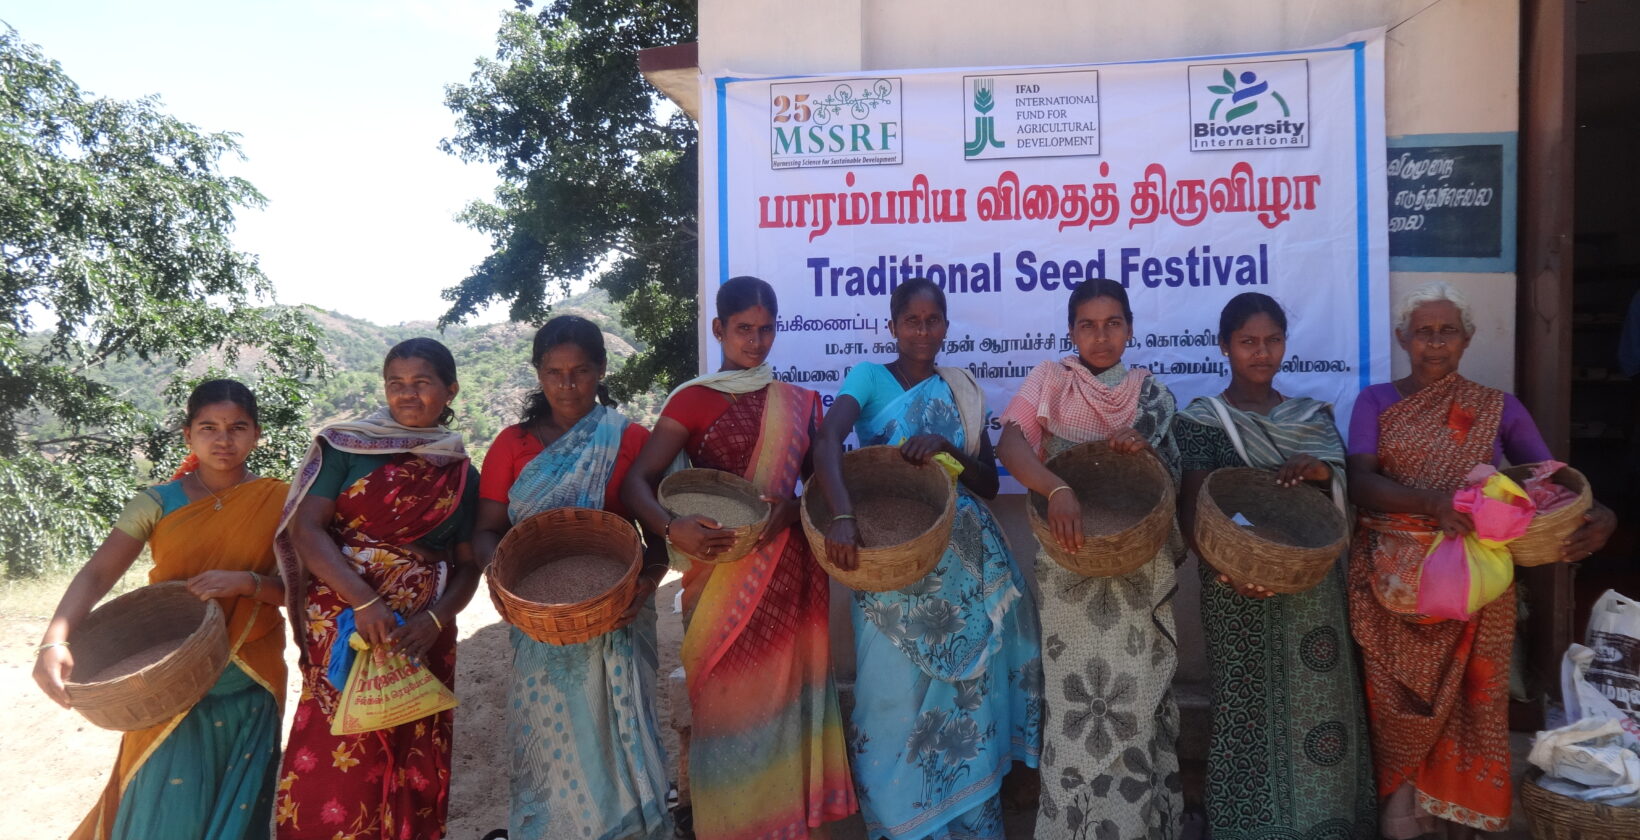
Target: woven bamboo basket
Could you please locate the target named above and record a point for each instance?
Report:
(1556, 817)
(1300, 533)
(718, 483)
(879, 480)
(1133, 486)
(1540, 545)
(553, 535)
(160, 614)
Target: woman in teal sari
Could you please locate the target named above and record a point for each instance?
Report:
(948, 690)
(586, 753)
(1288, 754)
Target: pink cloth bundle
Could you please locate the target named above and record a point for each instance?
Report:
(1461, 576)
(1545, 493)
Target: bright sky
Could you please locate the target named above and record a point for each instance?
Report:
(340, 108)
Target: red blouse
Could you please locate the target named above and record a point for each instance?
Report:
(515, 447)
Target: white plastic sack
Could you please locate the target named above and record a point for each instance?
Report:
(1585, 702)
(1586, 760)
(1614, 635)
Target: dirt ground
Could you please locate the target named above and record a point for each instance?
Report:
(53, 763)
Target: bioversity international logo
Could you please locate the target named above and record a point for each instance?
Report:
(1256, 105)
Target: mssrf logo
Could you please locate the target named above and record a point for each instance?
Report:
(1257, 105)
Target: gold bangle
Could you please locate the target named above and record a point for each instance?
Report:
(357, 607)
(436, 622)
(48, 646)
(256, 580)
(1055, 491)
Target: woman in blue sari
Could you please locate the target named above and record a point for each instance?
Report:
(948, 688)
(587, 762)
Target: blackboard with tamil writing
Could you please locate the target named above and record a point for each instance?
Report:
(1452, 202)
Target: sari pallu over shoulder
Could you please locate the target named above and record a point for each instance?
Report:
(244, 704)
(587, 760)
(1436, 690)
(767, 757)
(1288, 747)
(948, 688)
(441, 448)
(1109, 756)
(386, 783)
(1428, 441)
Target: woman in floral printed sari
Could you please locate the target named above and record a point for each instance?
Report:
(208, 772)
(1437, 691)
(949, 669)
(1110, 765)
(1289, 749)
(586, 750)
(766, 753)
(376, 513)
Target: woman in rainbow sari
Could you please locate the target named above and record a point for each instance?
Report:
(208, 772)
(1110, 763)
(948, 692)
(587, 762)
(766, 754)
(378, 509)
(1437, 690)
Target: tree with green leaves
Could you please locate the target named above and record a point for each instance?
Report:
(114, 245)
(597, 176)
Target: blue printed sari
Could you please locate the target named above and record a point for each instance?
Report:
(948, 690)
(587, 762)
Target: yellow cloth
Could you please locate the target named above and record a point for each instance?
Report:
(188, 541)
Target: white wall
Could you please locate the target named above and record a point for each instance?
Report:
(1450, 67)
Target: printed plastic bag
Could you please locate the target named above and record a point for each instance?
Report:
(1614, 635)
(386, 689)
(1586, 702)
(1461, 576)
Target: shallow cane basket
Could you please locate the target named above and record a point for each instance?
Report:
(1297, 534)
(1540, 545)
(553, 535)
(731, 491)
(163, 614)
(1133, 488)
(884, 487)
(1556, 817)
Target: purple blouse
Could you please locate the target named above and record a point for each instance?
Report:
(1518, 437)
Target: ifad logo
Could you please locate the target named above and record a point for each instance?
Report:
(1257, 105)
(1022, 115)
(835, 122)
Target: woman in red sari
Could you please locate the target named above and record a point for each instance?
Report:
(1437, 691)
(766, 754)
(376, 514)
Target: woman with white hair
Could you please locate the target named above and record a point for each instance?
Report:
(1437, 690)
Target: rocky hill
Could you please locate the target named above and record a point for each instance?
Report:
(491, 359)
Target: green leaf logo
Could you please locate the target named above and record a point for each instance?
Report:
(983, 102)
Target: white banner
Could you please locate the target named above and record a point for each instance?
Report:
(1187, 180)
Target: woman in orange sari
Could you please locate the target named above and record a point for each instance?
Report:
(1437, 691)
(766, 754)
(208, 772)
